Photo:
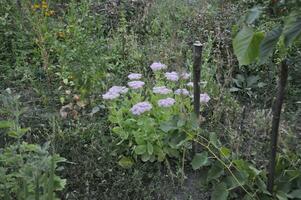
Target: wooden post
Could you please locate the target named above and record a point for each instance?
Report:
(197, 59)
(275, 123)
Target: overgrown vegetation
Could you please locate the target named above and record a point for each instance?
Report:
(140, 139)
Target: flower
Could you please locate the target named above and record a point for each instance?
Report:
(204, 98)
(172, 76)
(141, 107)
(161, 90)
(156, 66)
(136, 84)
(119, 89)
(182, 92)
(185, 75)
(190, 84)
(110, 95)
(166, 102)
(134, 76)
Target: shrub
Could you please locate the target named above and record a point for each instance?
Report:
(153, 119)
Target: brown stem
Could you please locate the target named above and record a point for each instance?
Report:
(275, 123)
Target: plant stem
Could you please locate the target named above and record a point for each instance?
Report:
(275, 123)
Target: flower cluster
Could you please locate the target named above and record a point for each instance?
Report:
(141, 107)
(134, 76)
(172, 76)
(156, 66)
(183, 92)
(161, 90)
(136, 84)
(204, 98)
(114, 92)
(166, 102)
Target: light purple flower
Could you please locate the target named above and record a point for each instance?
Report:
(136, 84)
(156, 66)
(119, 89)
(190, 84)
(185, 75)
(204, 98)
(161, 90)
(134, 76)
(172, 76)
(141, 107)
(110, 95)
(182, 92)
(166, 102)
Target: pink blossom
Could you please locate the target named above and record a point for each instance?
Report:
(166, 102)
(136, 84)
(141, 107)
(134, 76)
(172, 76)
(204, 98)
(156, 66)
(182, 92)
(161, 90)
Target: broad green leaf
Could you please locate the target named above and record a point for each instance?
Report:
(225, 152)
(246, 45)
(281, 195)
(145, 157)
(213, 139)
(220, 192)
(6, 124)
(253, 14)
(199, 160)
(215, 172)
(140, 149)
(269, 43)
(167, 126)
(150, 148)
(126, 162)
(295, 194)
(292, 28)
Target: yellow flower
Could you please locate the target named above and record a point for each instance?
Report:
(35, 6)
(61, 34)
(49, 13)
(44, 5)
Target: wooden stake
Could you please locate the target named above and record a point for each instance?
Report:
(197, 59)
(275, 123)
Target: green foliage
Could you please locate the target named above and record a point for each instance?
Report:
(27, 170)
(250, 46)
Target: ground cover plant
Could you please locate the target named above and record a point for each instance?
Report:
(97, 99)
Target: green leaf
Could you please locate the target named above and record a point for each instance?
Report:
(215, 171)
(281, 195)
(295, 194)
(220, 192)
(213, 139)
(6, 124)
(246, 45)
(140, 149)
(167, 126)
(126, 162)
(150, 148)
(145, 157)
(199, 160)
(253, 14)
(269, 43)
(225, 152)
(292, 28)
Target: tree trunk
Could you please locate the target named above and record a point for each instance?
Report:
(275, 123)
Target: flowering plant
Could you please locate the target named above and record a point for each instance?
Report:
(154, 119)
